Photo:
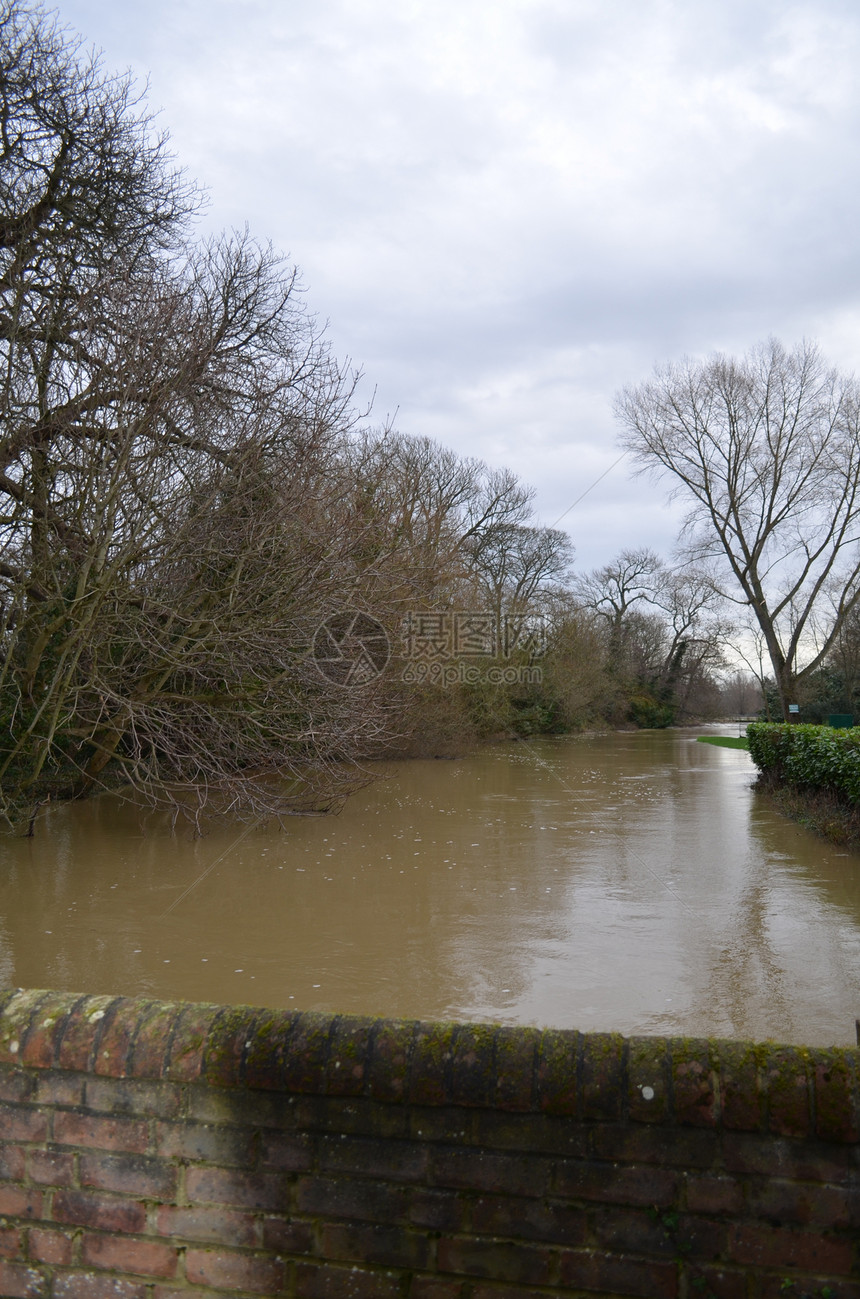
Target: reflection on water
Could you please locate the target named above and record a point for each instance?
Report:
(631, 882)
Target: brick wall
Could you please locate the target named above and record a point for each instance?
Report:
(153, 1149)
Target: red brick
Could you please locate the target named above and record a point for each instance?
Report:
(21, 1124)
(613, 1185)
(15, 1085)
(17, 1281)
(373, 1243)
(89, 1285)
(431, 1059)
(721, 1283)
(319, 1281)
(342, 1198)
(806, 1205)
(39, 1048)
(763, 1246)
(221, 1270)
(743, 1100)
(82, 1029)
(124, 1254)
(648, 1072)
(431, 1287)
(788, 1093)
(148, 1056)
(99, 1211)
(637, 1231)
(266, 1050)
(133, 1097)
(603, 1074)
(695, 1097)
(516, 1065)
(483, 1170)
(548, 1134)
(387, 1070)
(682, 1148)
(248, 1190)
(439, 1210)
(544, 1220)
(393, 1161)
(18, 1011)
(12, 1163)
(288, 1235)
(348, 1052)
(20, 1201)
(497, 1260)
(447, 1125)
(229, 1036)
(52, 1167)
(472, 1070)
(11, 1242)
(619, 1276)
(714, 1195)
(188, 1047)
(794, 1161)
(354, 1117)
(100, 1133)
(50, 1246)
(130, 1175)
(53, 1088)
(287, 1151)
(836, 1097)
(556, 1090)
(119, 1027)
(215, 1145)
(220, 1226)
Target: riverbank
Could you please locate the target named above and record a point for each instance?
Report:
(815, 809)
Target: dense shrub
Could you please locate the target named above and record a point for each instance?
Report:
(811, 756)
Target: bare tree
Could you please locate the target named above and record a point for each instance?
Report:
(517, 568)
(766, 451)
(612, 590)
(696, 630)
(429, 513)
(173, 525)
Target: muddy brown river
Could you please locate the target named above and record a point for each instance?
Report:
(630, 882)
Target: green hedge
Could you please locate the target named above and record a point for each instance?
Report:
(816, 756)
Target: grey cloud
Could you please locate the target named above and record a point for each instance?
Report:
(507, 209)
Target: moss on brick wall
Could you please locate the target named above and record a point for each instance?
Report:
(154, 1148)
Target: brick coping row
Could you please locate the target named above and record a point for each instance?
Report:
(789, 1091)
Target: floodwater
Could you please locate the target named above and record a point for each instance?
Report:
(630, 882)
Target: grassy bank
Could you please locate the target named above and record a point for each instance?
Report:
(725, 741)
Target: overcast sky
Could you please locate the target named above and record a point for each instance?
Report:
(507, 209)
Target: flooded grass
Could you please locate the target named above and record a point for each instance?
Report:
(725, 741)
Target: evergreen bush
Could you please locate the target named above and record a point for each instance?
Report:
(805, 755)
